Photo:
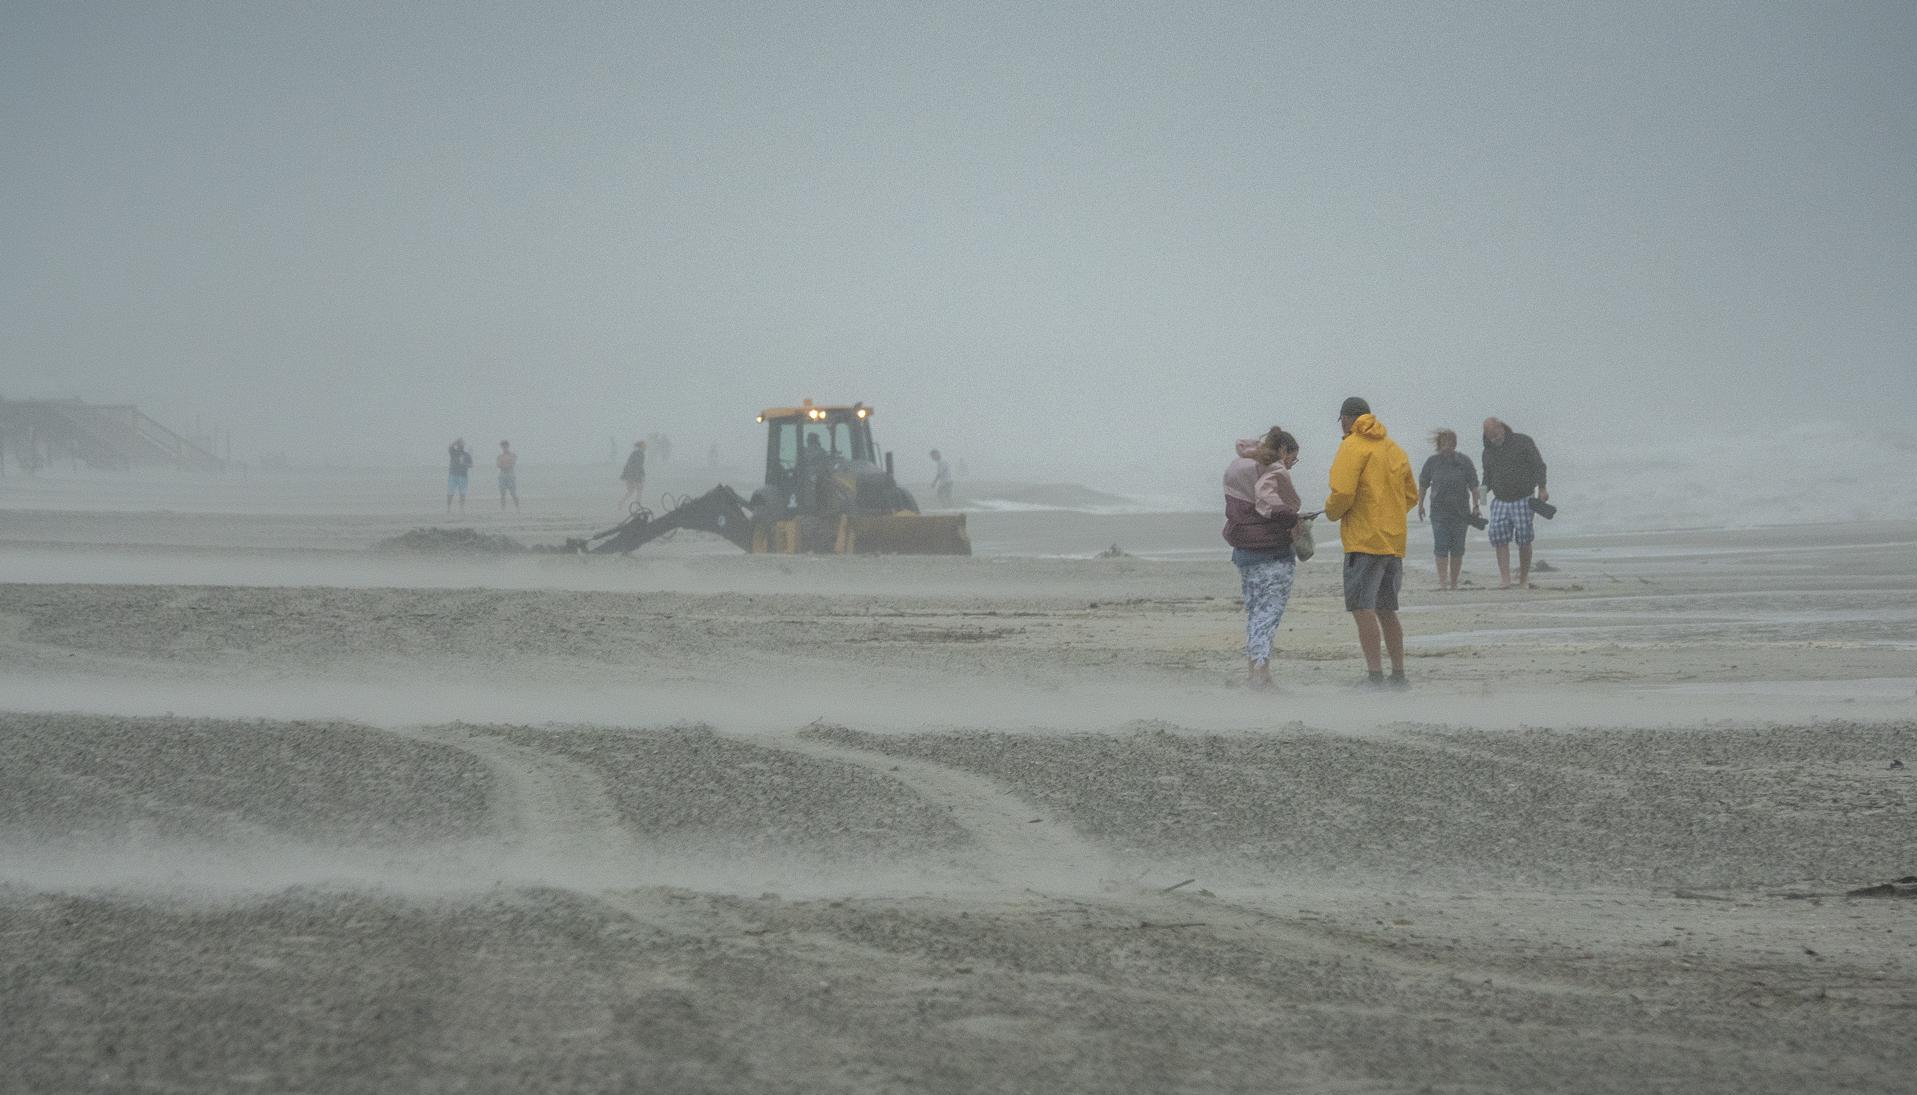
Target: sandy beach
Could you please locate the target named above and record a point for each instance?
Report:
(283, 813)
(333, 336)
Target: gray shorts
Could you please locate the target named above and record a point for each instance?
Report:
(1372, 581)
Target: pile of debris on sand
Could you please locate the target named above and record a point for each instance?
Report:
(451, 541)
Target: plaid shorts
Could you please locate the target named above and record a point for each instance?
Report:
(1511, 522)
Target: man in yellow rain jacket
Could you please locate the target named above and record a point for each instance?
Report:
(1372, 489)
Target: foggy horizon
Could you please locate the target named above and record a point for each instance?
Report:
(1086, 242)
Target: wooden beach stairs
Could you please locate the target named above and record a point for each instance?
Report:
(115, 436)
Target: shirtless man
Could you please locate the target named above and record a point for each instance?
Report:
(506, 461)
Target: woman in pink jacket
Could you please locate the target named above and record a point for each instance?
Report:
(1261, 509)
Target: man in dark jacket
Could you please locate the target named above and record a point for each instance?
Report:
(1513, 472)
(633, 475)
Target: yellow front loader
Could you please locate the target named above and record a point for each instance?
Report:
(827, 490)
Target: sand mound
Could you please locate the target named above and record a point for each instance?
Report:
(451, 541)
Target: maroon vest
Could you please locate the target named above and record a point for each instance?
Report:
(1245, 529)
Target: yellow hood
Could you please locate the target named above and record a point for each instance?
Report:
(1372, 488)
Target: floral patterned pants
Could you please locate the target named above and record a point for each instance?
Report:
(1267, 587)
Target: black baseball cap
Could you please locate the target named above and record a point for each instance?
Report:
(1353, 407)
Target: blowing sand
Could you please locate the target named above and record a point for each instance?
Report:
(279, 814)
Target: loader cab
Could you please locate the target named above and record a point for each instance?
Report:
(833, 435)
(809, 447)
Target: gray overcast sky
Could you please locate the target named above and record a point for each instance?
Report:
(1071, 233)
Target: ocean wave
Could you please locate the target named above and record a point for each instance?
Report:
(1007, 496)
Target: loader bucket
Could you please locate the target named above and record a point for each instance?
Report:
(905, 534)
(863, 534)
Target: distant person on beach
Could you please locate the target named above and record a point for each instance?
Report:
(459, 462)
(1451, 481)
(941, 479)
(1261, 510)
(1513, 472)
(507, 461)
(1372, 490)
(634, 475)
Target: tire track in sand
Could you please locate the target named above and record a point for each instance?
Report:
(553, 821)
(554, 827)
(1050, 859)
(559, 828)
(1015, 845)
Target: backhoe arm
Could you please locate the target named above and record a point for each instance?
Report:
(719, 510)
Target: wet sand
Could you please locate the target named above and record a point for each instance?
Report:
(280, 814)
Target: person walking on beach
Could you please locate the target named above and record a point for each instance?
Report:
(458, 463)
(1372, 490)
(507, 461)
(1513, 472)
(634, 475)
(1451, 481)
(1261, 510)
(941, 479)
